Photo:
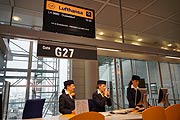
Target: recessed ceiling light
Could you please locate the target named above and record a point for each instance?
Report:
(16, 18)
(121, 36)
(140, 39)
(119, 41)
(99, 38)
(165, 48)
(107, 49)
(101, 33)
(172, 57)
(135, 43)
(169, 45)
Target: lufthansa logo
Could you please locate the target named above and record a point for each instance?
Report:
(88, 14)
(51, 5)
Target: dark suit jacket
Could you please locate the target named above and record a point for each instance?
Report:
(66, 104)
(100, 102)
(131, 93)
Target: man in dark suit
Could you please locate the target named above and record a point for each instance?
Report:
(101, 97)
(66, 99)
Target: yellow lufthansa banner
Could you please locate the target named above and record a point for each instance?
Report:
(67, 9)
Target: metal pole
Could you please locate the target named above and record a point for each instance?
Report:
(12, 10)
(160, 75)
(122, 84)
(5, 99)
(116, 80)
(121, 17)
(149, 82)
(29, 71)
(170, 73)
(132, 71)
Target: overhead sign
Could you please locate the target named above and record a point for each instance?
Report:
(68, 19)
(63, 51)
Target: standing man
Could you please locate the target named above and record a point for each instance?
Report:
(101, 97)
(66, 99)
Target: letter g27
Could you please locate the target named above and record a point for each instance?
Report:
(64, 52)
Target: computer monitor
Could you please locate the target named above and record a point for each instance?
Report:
(142, 83)
(141, 98)
(163, 96)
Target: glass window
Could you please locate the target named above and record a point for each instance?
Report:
(166, 79)
(155, 83)
(175, 70)
(44, 80)
(127, 74)
(106, 72)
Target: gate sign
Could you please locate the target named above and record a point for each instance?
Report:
(68, 19)
(46, 50)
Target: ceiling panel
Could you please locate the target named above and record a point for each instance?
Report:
(6, 2)
(134, 4)
(141, 22)
(176, 18)
(5, 13)
(110, 16)
(31, 13)
(31, 18)
(35, 5)
(174, 35)
(85, 3)
(163, 29)
(164, 8)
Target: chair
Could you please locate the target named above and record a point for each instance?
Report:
(173, 112)
(88, 116)
(91, 105)
(154, 113)
(33, 108)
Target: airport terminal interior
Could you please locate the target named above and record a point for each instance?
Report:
(132, 37)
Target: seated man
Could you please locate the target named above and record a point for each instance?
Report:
(66, 99)
(101, 97)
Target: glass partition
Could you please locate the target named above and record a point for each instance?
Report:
(167, 81)
(107, 73)
(147, 70)
(175, 70)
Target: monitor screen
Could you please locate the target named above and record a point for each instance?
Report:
(142, 83)
(141, 96)
(162, 95)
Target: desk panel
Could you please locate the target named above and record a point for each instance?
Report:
(108, 116)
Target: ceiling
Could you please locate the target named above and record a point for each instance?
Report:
(156, 22)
